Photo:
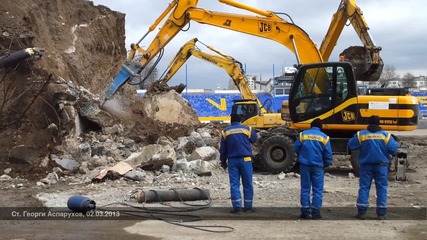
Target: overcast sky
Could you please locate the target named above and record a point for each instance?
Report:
(399, 27)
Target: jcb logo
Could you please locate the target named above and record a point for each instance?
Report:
(264, 27)
(348, 116)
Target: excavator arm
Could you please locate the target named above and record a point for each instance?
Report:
(265, 24)
(132, 67)
(228, 63)
(366, 60)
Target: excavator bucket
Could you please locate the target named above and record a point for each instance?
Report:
(367, 64)
(179, 88)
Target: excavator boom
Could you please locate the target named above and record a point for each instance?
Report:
(365, 59)
(266, 25)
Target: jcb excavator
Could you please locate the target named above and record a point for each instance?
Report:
(265, 24)
(335, 83)
(251, 111)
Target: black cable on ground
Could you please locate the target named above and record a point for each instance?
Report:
(173, 216)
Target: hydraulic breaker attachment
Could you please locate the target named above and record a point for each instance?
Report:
(129, 70)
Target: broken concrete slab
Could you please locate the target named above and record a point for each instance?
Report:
(153, 156)
(204, 153)
(23, 154)
(121, 168)
(66, 162)
(169, 107)
(200, 167)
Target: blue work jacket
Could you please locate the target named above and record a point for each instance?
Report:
(374, 147)
(236, 141)
(313, 148)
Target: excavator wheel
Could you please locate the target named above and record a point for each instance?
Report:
(277, 154)
(361, 59)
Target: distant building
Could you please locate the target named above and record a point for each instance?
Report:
(419, 84)
(277, 86)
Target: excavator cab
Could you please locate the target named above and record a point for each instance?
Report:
(246, 109)
(319, 88)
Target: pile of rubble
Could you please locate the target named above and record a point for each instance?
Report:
(55, 125)
(98, 145)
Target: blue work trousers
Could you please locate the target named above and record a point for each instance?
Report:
(239, 168)
(312, 177)
(379, 174)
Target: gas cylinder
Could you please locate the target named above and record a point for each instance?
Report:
(79, 203)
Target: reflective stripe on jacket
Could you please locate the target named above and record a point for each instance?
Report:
(313, 148)
(374, 147)
(236, 141)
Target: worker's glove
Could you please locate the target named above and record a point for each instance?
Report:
(224, 165)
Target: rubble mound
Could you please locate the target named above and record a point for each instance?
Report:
(164, 104)
(50, 106)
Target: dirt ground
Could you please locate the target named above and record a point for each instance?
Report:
(276, 201)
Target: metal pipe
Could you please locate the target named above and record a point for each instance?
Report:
(194, 194)
(14, 58)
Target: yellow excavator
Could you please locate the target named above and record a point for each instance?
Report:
(317, 81)
(179, 13)
(251, 111)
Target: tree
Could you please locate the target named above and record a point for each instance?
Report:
(389, 73)
(408, 80)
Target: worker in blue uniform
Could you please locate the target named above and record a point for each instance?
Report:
(236, 154)
(375, 147)
(314, 153)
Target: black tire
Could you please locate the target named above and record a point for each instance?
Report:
(354, 159)
(277, 154)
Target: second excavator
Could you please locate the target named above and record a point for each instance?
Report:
(251, 111)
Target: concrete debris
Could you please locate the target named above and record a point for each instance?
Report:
(85, 151)
(5, 177)
(201, 167)
(66, 162)
(153, 156)
(281, 176)
(196, 138)
(292, 174)
(165, 169)
(169, 107)
(136, 175)
(51, 178)
(120, 168)
(351, 175)
(204, 153)
(24, 155)
(181, 165)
